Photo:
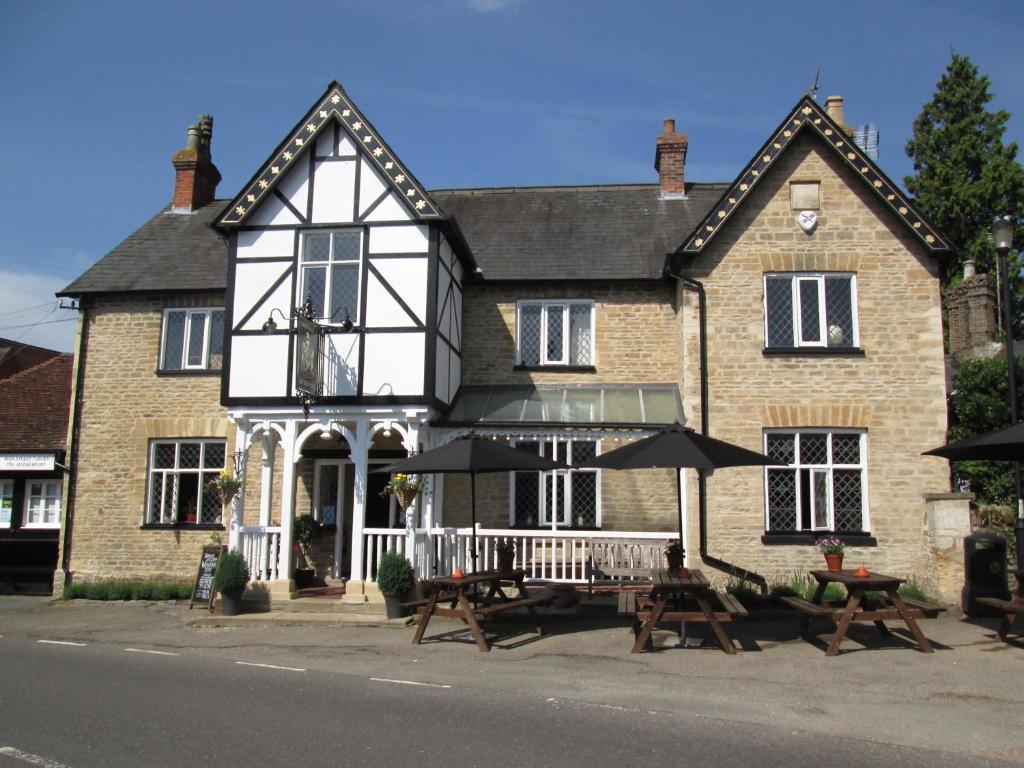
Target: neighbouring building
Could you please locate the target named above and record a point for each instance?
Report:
(793, 310)
(35, 394)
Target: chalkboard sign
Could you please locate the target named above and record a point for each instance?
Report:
(203, 591)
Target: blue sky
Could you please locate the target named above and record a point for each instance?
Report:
(97, 96)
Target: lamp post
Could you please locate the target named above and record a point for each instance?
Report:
(1002, 236)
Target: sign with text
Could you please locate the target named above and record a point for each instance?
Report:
(307, 356)
(203, 591)
(32, 462)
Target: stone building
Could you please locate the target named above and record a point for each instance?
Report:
(794, 310)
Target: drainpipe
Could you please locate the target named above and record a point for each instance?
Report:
(702, 486)
(72, 458)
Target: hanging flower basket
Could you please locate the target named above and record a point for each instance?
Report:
(406, 497)
(405, 488)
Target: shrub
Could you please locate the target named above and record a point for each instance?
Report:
(394, 574)
(232, 573)
(124, 589)
(742, 591)
(306, 529)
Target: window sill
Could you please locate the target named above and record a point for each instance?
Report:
(181, 527)
(813, 352)
(556, 368)
(800, 538)
(38, 527)
(189, 372)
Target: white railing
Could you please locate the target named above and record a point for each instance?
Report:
(548, 555)
(261, 547)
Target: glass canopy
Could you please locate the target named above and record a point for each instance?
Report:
(611, 405)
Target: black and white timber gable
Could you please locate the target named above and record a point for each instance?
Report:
(335, 215)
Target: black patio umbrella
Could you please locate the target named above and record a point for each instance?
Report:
(1005, 444)
(677, 447)
(472, 455)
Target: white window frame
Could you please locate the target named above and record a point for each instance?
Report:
(814, 469)
(545, 307)
(47, 499)
(796, 278)
(190, 312)
(7, 492)
(547, 447)
(329, 264)
(171, 474)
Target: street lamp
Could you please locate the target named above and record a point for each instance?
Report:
(1002, 237)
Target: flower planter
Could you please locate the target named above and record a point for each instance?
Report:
(834, 562)
(393, 606)
(406, 498)
(231, 602)
(675, 561)
(506, 561)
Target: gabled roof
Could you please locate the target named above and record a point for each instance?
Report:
(34, 406)
(602, 232)
(809, 117)
(333, 106)
(170, 252)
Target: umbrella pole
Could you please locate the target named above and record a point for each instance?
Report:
(679, 500)
(472, 495)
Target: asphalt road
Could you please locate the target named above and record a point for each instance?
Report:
(100, 704)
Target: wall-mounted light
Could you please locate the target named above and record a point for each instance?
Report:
(270, 326)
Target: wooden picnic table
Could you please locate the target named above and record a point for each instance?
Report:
(461, 597)
(889, 608)
(668, 587)
(1011, 608)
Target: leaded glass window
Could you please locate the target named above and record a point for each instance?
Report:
(810, 310)
(331, 274)
(562, 498)
(555, 333)
(179, 473)
(193, 339)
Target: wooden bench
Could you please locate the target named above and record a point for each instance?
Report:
(1010, 608)
(499, 607)
(930, 610)
(811, 609)
(622, 563)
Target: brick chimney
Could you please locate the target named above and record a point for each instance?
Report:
(195, 175)
(972, 316)
(670, 161)
(834, 109)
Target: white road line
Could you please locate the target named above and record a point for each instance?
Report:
(155, 653)
(60, 642)
(29, 758)
(408, 682)
(269, 666)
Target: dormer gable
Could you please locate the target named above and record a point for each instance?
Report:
(333, 128)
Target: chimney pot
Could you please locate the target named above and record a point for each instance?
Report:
(834, 108)
(969, 268)
(195, 175)
(670, 125)
(193, 137)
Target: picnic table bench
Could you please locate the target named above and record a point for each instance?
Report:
(888, 606)
(1011, 608)
(622, 563)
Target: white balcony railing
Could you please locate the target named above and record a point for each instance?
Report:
(261, 546)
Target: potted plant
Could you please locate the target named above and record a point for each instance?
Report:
(405, 487)
(505, 550)
(306, 529)
(394, 580)
(674, 554)
(832, 547)
(230, 580)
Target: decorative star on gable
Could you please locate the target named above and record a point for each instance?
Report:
(809, 116)
(333, 105)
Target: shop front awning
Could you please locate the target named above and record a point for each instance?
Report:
(583, 406)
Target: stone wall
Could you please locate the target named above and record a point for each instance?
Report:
(896, 390)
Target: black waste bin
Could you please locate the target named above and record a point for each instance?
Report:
(984, 573)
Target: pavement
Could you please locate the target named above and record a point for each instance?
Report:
(965, 700)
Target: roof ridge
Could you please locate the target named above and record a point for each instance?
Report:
(567, 187)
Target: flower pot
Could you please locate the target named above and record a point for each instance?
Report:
(304, 577)
(406, 498)
(506, 561)
(231, 602)
(835, 562)
(393, 606)
(675, 561)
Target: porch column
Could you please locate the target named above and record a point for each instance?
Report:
(410, 444)
(238, 503)
(268, 442)
(285, 559)
(359, 454)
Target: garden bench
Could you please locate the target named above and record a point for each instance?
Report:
(1010, 608)
(622, 563)
(811, 609)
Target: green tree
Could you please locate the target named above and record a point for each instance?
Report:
(979, 403)
(964, 175)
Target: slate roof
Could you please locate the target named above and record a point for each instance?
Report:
(603, 232)
(34, 406)
(170, 252)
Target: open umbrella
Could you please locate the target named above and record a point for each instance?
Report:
(1005, 444)
(677, 447)
(473, 455)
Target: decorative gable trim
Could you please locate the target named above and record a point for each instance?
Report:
(809, 116)
(334, 105)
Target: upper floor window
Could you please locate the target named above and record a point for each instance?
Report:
(819, 482)
(330, 273)
(806, 309)
(179, 471)
(562, 498)
(555, 333)
(193, 339)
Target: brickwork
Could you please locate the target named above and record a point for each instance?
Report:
(896, 391)
(125, 405)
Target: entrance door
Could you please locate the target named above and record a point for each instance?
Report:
(332, 506)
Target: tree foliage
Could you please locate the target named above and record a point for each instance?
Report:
(979, 403)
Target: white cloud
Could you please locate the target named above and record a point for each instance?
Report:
(29, 311)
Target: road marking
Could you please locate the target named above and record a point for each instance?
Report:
(155, 653)
(60, 642)
(408, 682)
(28, 757)
(269, 666)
